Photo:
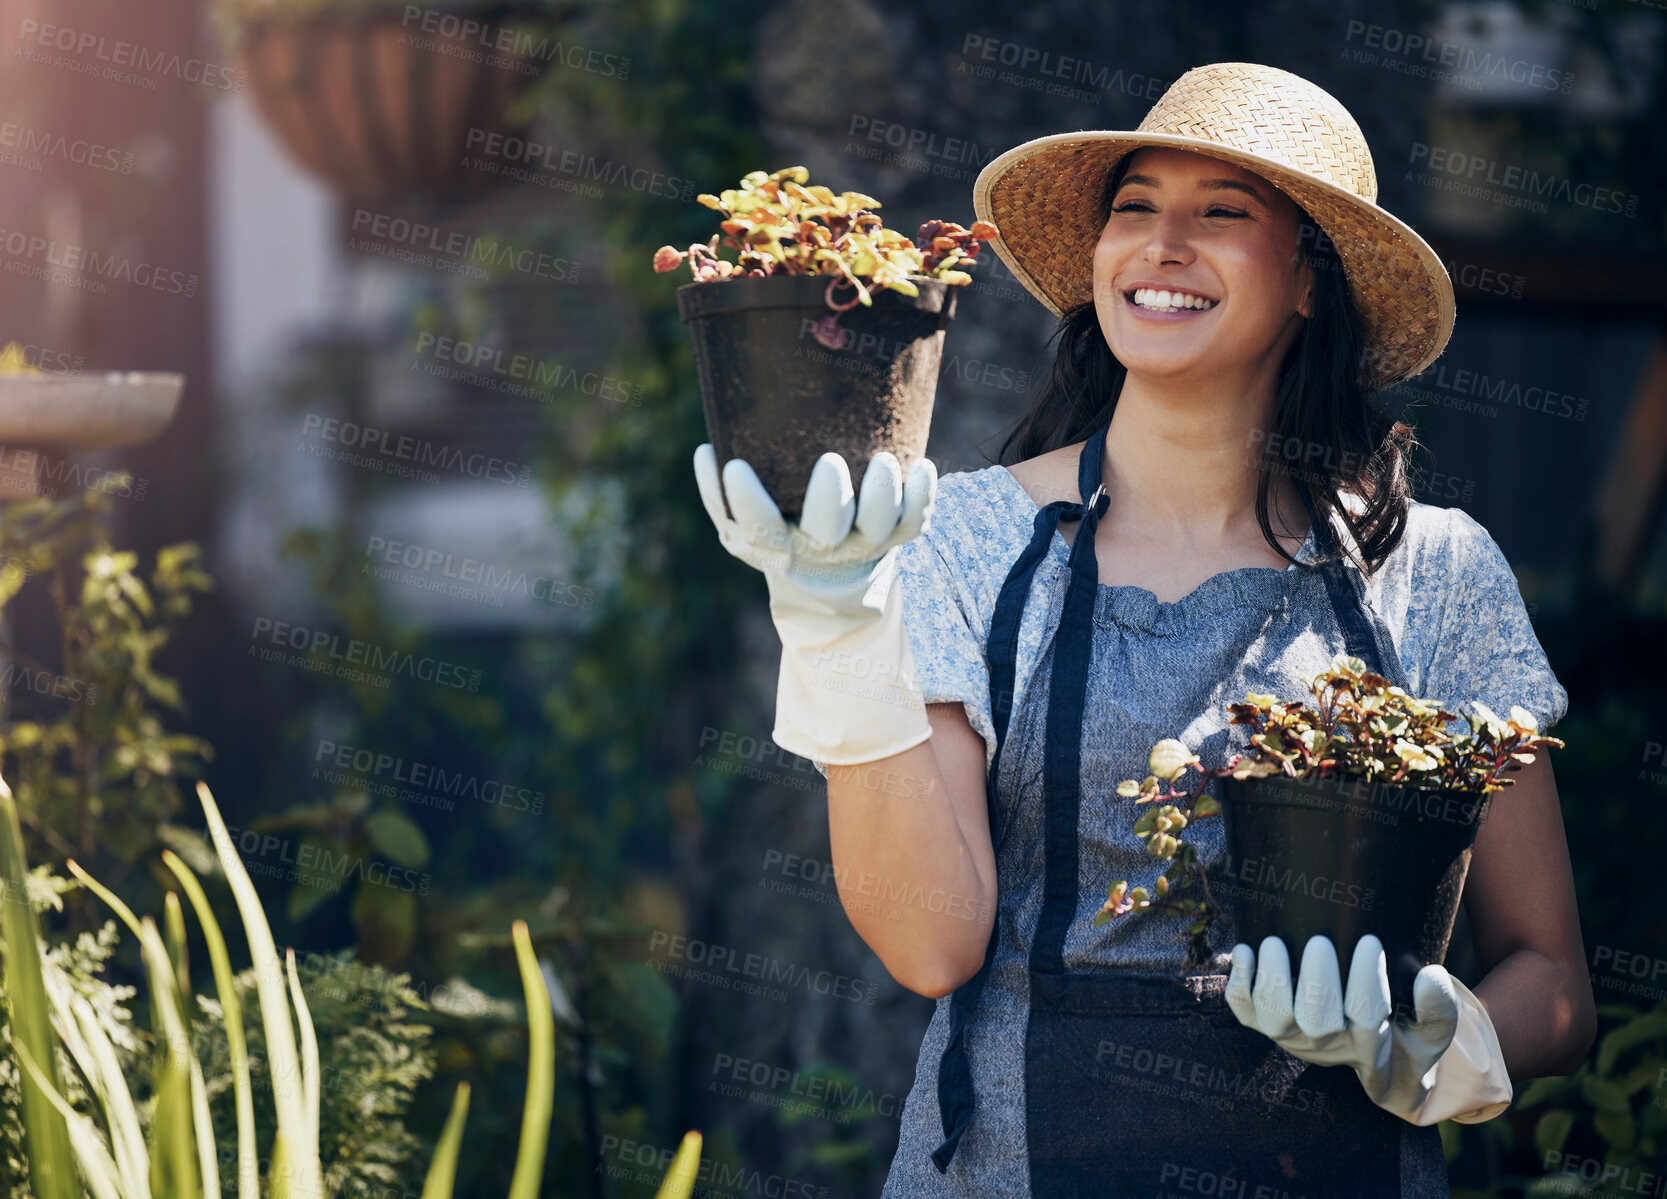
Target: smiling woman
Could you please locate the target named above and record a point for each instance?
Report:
(1225, 282)
(1245, 292)
(1279, 317)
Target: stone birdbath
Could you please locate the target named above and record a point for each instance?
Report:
(46, 411)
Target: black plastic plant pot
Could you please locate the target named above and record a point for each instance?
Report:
(1345, 857)
(778, 397)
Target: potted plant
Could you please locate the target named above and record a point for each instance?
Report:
(383, 99)
(824, 334)
(1353, 815)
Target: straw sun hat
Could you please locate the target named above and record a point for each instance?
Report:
(1044, 197)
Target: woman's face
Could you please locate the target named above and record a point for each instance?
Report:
(1222, 237)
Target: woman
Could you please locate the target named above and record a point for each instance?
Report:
(1227, 288)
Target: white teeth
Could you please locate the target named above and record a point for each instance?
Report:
(1148, 297)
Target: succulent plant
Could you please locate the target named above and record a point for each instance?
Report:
(779, 224)
(1359, 726)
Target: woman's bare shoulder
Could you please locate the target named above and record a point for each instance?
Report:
(1050, 476)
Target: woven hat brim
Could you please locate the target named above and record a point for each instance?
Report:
(1043, 197)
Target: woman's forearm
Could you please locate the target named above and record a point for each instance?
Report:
(1542, 1011)
(908, 874)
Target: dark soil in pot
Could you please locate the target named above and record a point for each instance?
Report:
(1345, 857)
(779, 398)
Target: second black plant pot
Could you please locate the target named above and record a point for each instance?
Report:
(777, 396)
(1344, 857)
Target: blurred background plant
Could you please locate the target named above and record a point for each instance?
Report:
(70, 1118)
(85, 731)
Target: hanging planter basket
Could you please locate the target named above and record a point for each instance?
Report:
(779, 396)
(379, 107)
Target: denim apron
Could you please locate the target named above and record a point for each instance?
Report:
(1102, 1045)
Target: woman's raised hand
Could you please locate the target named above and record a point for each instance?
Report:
(833, 598)
(836, 529)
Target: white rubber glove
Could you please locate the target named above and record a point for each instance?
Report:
(1445, 1065)
(847, 691)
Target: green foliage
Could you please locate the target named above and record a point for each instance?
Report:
(104, 1146)
(374, 1053)
(82, 961)
(1360, 726)
(1613, 1108)
(103, 773)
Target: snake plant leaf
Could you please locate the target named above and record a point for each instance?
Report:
(679, 1182)
(88, 1044)
(173, 921)
(202, 1124)
(442, 1168)
(309, 1048)
(248, 1176)
(97, 1168)
(46, 1133)
(541, 1070)
(111, 899)
(279, 1171)
(173, 1158)
(301, 1153)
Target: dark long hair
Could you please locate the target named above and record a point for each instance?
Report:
(1320, 407)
